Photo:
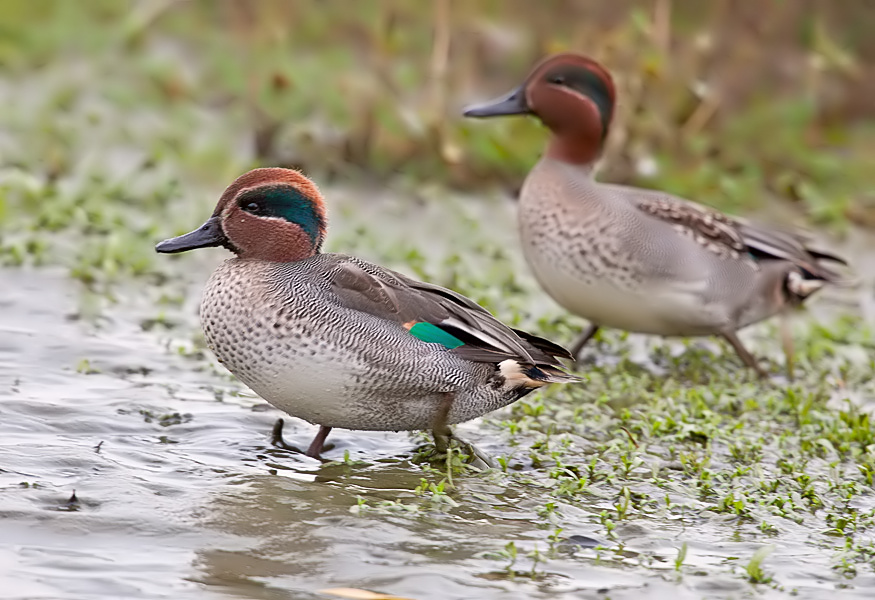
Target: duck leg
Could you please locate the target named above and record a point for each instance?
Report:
(441, 429)
(443, 434)
(787, 344)
(746, 357)
(586, 336)
(276, 437)
(315, 448)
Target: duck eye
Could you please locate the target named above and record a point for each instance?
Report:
(252, 207)
(557, 79)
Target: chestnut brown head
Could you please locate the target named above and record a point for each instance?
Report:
(572, 95)
(269, 214)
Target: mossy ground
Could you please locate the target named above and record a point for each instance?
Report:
(120, 128)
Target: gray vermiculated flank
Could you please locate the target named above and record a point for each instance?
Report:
(601, 256)
(284, 332)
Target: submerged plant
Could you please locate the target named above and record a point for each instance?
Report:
(754, 568)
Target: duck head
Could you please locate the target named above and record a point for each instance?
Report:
(572, 95)
(268, 214)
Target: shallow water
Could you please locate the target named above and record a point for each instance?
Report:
(177, 491)
(179, 495)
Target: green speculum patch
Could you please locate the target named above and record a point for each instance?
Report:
(434, 334)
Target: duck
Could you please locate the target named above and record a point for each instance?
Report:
(640, 260)
(341, 342)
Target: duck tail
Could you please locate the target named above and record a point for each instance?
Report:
(800, 285)
(529, 376)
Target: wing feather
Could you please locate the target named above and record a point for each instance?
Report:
(389, 295)
(730, 237)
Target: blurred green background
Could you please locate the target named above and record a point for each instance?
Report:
(113, 111)
(731, 101)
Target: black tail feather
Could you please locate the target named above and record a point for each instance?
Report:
(827, 256)
(550, 374)
(543, 345)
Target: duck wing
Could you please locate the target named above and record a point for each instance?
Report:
(436, 314)
(733, 237)
(765, 242)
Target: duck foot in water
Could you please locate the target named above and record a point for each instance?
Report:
(316, 446)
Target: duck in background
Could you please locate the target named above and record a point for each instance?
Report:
(341, 342)
(636, 259)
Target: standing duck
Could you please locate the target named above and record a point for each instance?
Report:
(341, 342)
(637, 259)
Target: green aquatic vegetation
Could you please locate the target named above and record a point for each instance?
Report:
(681, 557)
(86, 368)
(435, 492)
(259, 65)
(668, 437)
(508, 553)
(363, 507)
(754, 566)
